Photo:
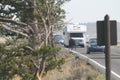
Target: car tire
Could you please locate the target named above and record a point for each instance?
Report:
(66, 46)
(104, 52)
(88, 52)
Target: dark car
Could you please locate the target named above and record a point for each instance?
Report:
(58, 39)
(93, 47)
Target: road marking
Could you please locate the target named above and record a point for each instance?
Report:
(116, 53)
(114, 73)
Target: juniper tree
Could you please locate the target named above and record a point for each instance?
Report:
(34, 21)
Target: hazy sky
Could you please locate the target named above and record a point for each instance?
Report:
(81, 11)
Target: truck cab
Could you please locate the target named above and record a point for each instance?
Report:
(77, 33)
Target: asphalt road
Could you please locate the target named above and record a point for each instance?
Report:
(100, 58)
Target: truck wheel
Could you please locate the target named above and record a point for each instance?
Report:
(64, 45)
(88, 52)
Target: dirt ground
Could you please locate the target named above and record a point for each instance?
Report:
(74, 69)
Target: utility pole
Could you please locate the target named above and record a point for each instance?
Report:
(107, 48)
(107, 35)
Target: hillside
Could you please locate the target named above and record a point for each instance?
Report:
(74, 69)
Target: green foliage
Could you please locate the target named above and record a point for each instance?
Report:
(16, 60)
(6, 32)
(21, 8)
(50, 53)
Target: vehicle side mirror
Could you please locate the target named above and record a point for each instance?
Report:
(63, 33)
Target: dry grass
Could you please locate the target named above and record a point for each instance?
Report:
(74, 69)
(118, 45)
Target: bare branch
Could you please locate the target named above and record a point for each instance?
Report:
(17, 23)
(12, 21)
(47, 35)
(7, 27)
(30, 28)
(36, 63)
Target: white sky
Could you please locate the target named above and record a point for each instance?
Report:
(82, 11)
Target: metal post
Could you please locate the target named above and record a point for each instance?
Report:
(107, 48)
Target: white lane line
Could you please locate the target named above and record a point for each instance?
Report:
(114, 73)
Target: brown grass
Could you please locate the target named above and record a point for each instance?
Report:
(118, 44)
(74, 69)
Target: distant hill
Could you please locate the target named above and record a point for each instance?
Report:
(91, 30)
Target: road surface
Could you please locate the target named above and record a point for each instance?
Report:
(100, 58)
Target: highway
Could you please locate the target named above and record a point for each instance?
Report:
(100, 59)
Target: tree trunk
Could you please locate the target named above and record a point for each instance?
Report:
(41, 69)
(38, 76)
(34, 24)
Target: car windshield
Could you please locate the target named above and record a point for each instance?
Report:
(93, 41)
(58, 37)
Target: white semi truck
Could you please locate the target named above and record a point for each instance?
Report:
(75, 32)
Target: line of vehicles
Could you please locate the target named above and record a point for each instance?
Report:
(78, 34)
